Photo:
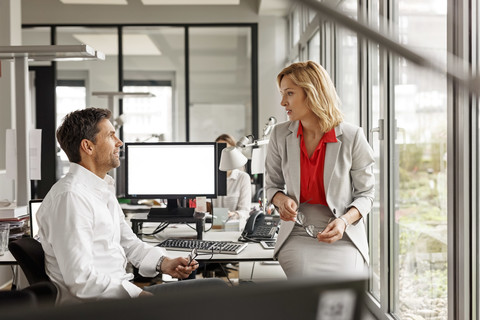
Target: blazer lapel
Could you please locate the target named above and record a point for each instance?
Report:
(293, 149)
(331, 156)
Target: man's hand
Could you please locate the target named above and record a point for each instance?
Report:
(178, 267)
(286, 206)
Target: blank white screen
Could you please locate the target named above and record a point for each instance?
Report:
(171, 169)
(33, 222)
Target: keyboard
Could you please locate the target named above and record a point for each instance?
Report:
(205, 246)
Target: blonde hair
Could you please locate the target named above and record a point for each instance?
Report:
(321, 96)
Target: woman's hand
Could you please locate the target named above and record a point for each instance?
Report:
(178, 267)
(286, 206)
(333, 232)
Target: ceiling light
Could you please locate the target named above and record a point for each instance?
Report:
(114, 2)
(133, 44)
(190, 2)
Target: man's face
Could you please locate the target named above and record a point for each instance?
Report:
(107, 147)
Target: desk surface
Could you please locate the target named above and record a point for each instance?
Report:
(253, 251)
(7, 259)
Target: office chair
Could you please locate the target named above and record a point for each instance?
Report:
(17, 298)
(30, 256)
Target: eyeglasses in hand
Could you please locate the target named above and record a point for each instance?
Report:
(194, 253)
(310, 229)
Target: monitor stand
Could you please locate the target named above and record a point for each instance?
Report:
(175, 214)
(171, 211)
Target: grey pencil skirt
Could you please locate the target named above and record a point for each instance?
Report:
(304, 256)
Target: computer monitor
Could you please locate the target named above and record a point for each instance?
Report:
(33, 206)
(171, 170)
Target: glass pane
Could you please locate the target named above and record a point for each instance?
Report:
(69, 97)
(220, 82)
(154, 61)
(374, 217)
(93, 75)
(311, 15)
(38, 36)
(147, 118)
(296, 26)
(314, 48)
(347, 66)
(420, 195)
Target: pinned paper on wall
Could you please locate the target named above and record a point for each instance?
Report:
(35, 150)
(11, 154)
(258, 160)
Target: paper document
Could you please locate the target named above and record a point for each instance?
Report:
(11, 154)
(35, 150)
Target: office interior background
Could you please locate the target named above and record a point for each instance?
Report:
(212, 69)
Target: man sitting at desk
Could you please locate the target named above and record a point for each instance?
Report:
(81, 225)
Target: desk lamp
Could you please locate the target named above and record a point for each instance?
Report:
(232, 158)
(258, 155)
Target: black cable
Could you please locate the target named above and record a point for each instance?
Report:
(162, 226)
(226, 273)
(194, 228)
(14, 273)
(211, 224)
(244, 238)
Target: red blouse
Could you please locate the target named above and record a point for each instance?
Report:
(312, 188)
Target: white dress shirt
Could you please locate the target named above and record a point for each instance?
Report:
(87, 241)
(239, 194)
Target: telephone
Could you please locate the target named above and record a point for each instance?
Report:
(260, 227)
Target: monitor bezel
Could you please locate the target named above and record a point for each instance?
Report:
(128, 195)
(31, 217)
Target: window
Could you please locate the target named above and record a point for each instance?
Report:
(154, 61)
(220, 82)
(314, 48)
(346, 75)
(420, 175)
(71, 96)
(147, 118)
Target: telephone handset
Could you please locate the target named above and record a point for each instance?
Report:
(260, 226)
(250, 225)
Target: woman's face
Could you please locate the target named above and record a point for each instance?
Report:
(294, 100)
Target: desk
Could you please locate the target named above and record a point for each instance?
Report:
(253, 252)
(8, 259)
(255, 262)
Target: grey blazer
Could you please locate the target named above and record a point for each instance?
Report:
(348, 176)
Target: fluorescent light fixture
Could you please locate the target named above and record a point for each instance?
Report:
(109, 2)
(48, 53)
(190, 2)
(122, 94)
(134, 44)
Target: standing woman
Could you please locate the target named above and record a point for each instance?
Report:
(322, 167)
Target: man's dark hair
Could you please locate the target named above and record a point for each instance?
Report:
(79, 125)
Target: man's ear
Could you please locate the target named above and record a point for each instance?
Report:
(87, 146)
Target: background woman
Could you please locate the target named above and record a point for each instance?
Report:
(239, 190)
